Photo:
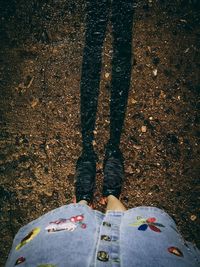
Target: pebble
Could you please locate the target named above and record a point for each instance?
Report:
(155, 72)
(186, 50)
(130, 170)
(193, 217)
(107, 75)
(48, 194)
(34, 103)
(133, 101)
(149, 49)
(137, 147)
(94, 143)
(143, 129)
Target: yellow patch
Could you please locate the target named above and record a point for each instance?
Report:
(28, 238)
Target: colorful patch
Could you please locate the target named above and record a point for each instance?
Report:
(176, 251)
(28, 238)
(20, 260)
(149, 222)
(66, 224)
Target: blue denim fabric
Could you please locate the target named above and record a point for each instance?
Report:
(75, 235)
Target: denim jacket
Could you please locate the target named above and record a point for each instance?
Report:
(77, 236)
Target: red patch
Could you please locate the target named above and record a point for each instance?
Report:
(20, 260)
(73, 219)
(79, 218)
(154, 228)
(151, 220)
(83, 225)
(176, 251)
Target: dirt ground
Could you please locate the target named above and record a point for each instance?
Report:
(40, 66)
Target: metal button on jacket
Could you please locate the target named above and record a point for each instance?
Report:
(105, 238)
(102, 256)
(106, 224)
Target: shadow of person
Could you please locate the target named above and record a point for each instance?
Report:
(98, 14)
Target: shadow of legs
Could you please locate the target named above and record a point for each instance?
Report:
(122, 21)
(96, 23)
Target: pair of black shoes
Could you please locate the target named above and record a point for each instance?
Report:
(85, 177)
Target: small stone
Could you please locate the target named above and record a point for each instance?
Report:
(130, 170)
(48, 194)
(149, 49)
(137, 147)
(107, 75)
(155, 72)
(138, 170)
(94, 143)
(186, 50)
(183, 20)
(181, 141)
(34, 103)
(143, 129)
(133, 101)
(193, 217)
(162, 94)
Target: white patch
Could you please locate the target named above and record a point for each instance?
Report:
(65, 226)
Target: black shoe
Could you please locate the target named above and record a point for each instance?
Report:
(85, 176)
(113, 167)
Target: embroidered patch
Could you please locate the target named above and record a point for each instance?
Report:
(20, 260)
(149, 222)
(66, 224)
(176, 251)
(28, 238)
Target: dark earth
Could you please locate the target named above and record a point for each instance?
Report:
(40, 66)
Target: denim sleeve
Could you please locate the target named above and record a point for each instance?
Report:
(57, 238)
(149, 238)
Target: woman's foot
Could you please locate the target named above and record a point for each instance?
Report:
(85, 176)
(113, 167)
(114, 203)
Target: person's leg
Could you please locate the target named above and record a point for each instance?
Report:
(114, 203)
(83, 202)
(96, 23)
